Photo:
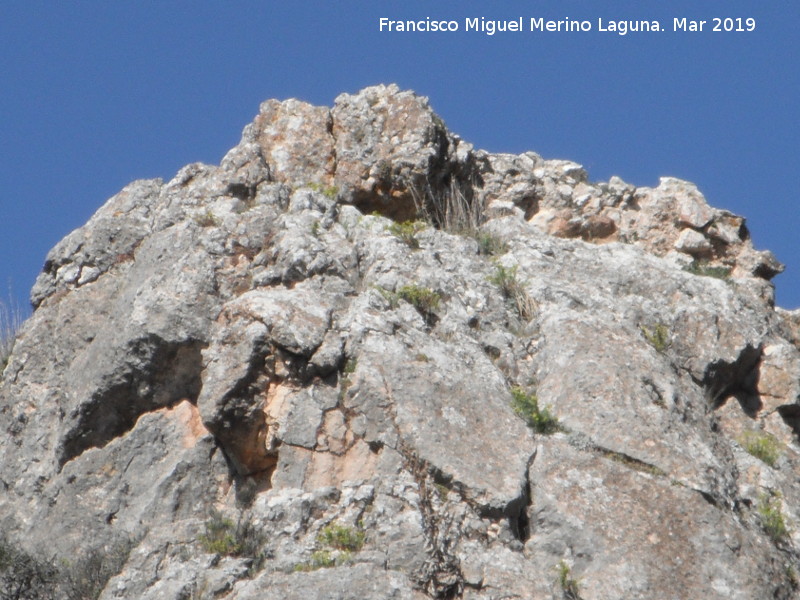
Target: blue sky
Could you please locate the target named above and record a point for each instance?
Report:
(95, 94)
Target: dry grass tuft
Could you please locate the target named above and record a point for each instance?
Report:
(11, 320)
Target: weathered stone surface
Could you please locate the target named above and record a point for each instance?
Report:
(778, 385)
(693, 242)
(648, 545)
(269, 388)
(109, 238)
(295, 141)
(487, 469)
(343, 583)
(391, 150)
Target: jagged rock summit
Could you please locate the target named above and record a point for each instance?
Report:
(361, 359)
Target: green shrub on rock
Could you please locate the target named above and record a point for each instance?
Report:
(658, 337)
(338, 544)
(341, 537)
(243, 539)
(702, 268)
(407, 232)
(764, 446)
(424, 299)
(568, 584)
(526, 405)
(490, 245)
(771, 516)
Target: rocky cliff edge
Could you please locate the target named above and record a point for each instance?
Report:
(361, 359)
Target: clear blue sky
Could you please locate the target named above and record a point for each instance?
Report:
(95, 94)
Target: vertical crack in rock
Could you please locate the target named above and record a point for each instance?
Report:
(332, 133)
(440, 576)
(518, 519)
(158, 374)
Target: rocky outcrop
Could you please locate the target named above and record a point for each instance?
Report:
(261, 380)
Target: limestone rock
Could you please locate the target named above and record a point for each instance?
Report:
(295, 140)
(693, 242)
(257, 380)
(390, 147)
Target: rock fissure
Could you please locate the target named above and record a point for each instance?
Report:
(630, 462)
(708, 498)
(440, 576)
(332, 133)
(520, 524)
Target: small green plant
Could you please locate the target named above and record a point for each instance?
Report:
(425, 300)
(338, 543)
(329, 191)
(569, 585)
(513, 290)
(206, 219)
(421, 357)
(223, 536)
(702, 268)
(344, 381)
(340, 537)
(350, 366)
(764, 446)
(442, 491)
(392, 298)
(315, 229)
(526, 405)
(793, 576)
(220, 537)
(324, 559)
(505, 278)
(407, 232)
(490, 245)
(658, 338)
(771, 517)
